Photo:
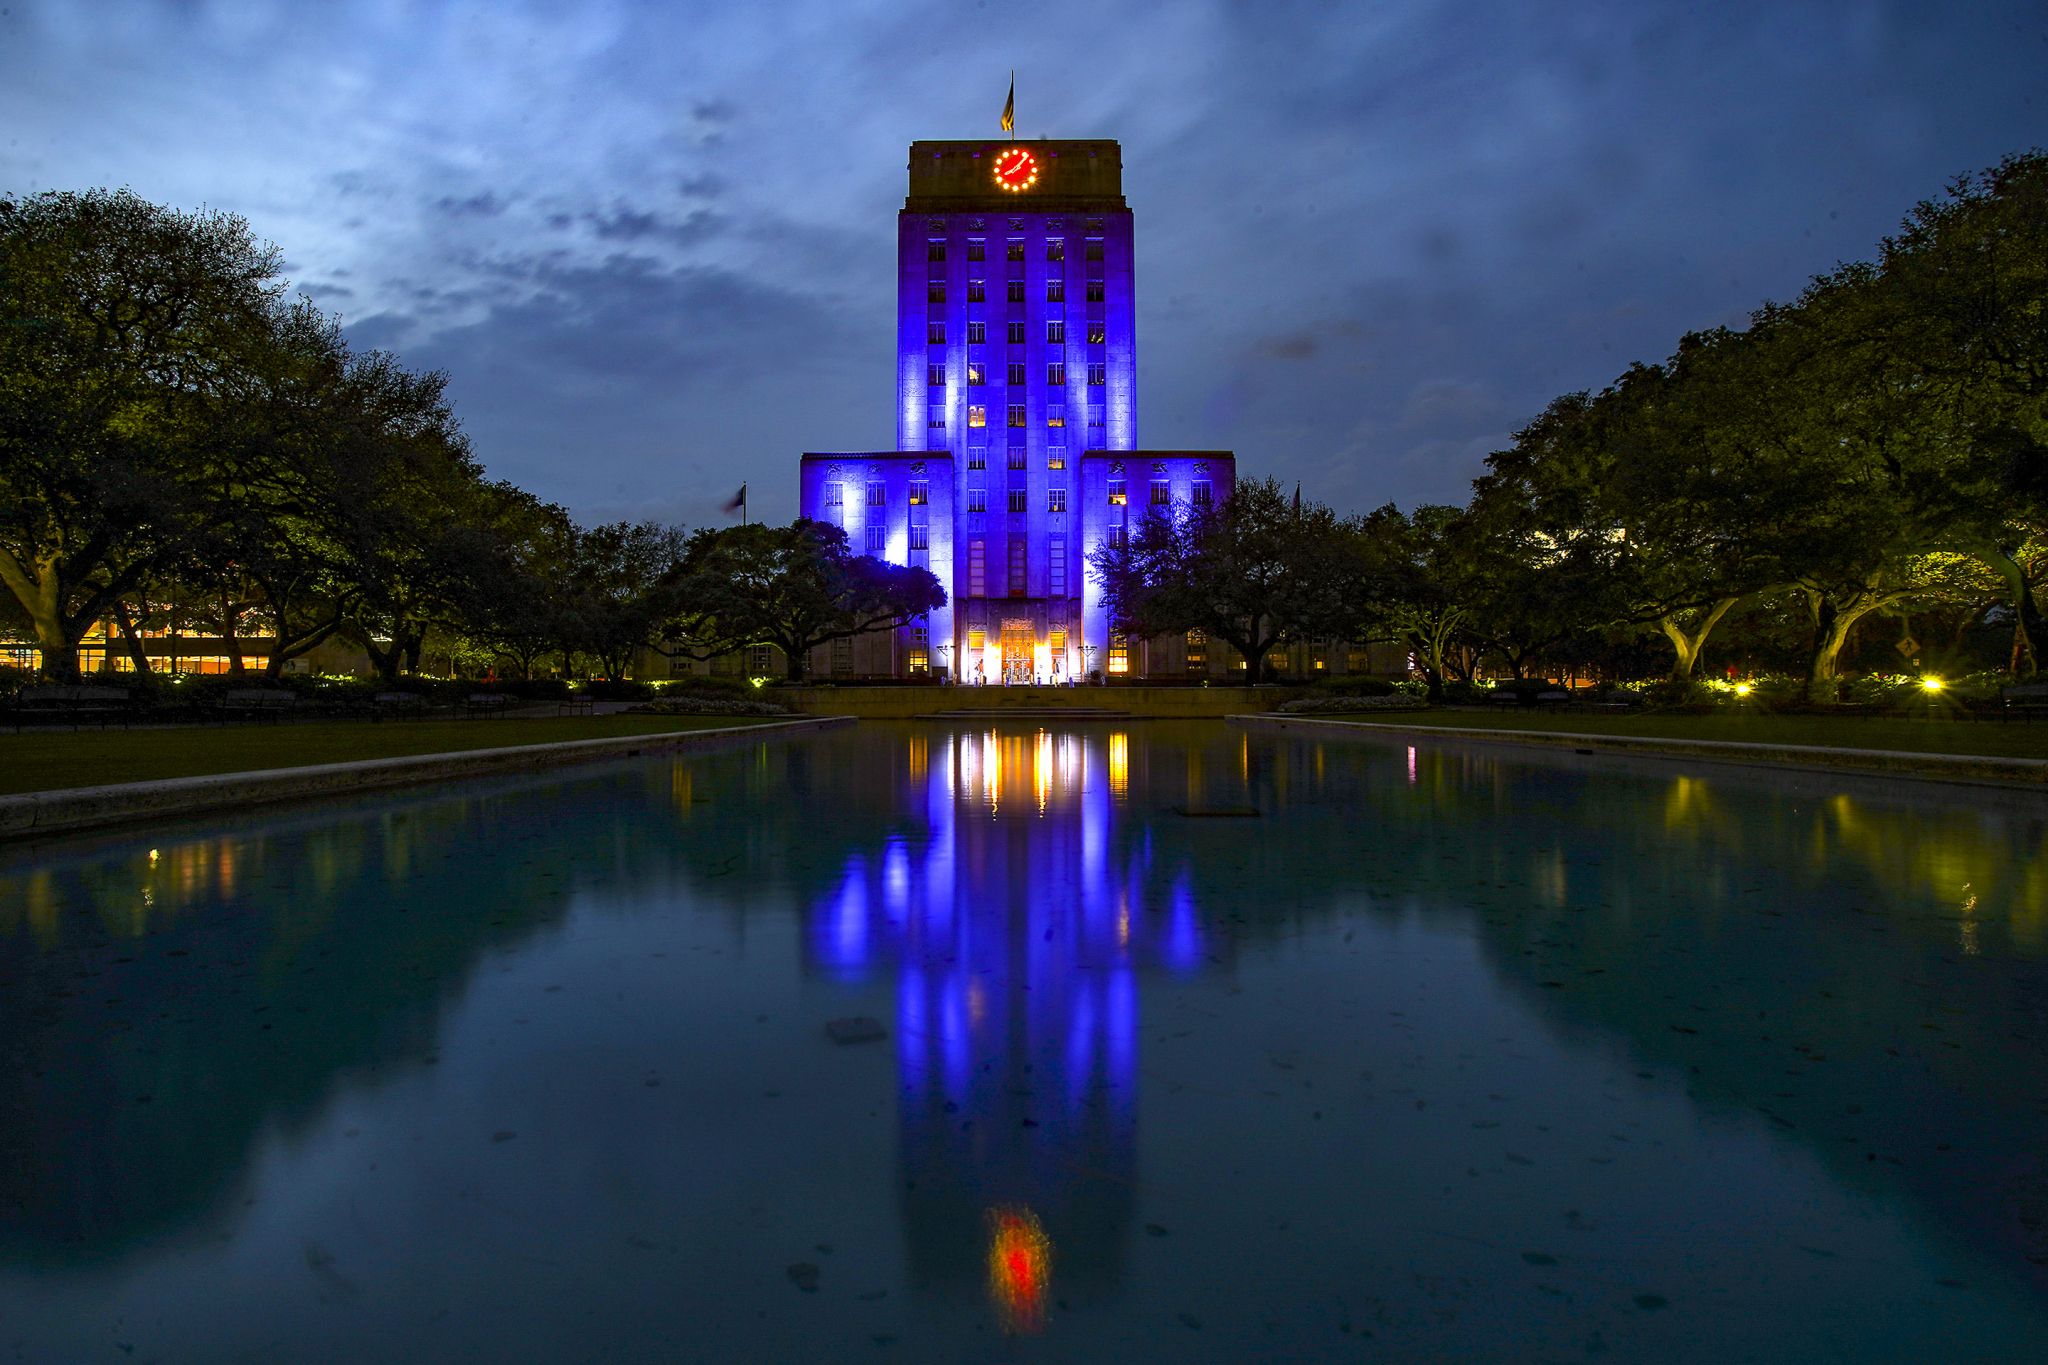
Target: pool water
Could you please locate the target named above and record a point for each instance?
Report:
(1193, 1044)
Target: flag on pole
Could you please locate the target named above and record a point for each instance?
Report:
(1297, 501)
(738, 503)
(1010, 106)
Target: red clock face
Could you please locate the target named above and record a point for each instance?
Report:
(1016, 169)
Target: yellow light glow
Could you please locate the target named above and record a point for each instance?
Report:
(1016, 170)
(1742, 689)
(1930, 684)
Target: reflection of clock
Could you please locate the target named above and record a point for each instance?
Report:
(1016, 169)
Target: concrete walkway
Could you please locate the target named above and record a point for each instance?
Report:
(1973, 768)
(42, 814)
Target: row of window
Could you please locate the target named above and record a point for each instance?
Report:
(1055, 457)
(977, 374)
(977, 291)
(977, 415)
(977, 333)
(1201, 492)
(977, 249)
(1055, 500)
(1019, 552)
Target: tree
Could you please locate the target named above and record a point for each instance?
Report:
(620, 586)
(114, 315)
(795, 587)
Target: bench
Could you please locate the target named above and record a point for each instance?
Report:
(257, 701)
(486, 704)
(398, 704)
(2027, 700)
(576, 706)
(73, 702)
(1555, 699)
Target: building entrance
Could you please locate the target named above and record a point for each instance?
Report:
(1017, 642)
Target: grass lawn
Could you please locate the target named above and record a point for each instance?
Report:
(2017, 739)
(45, 760)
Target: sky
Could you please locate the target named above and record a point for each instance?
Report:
(652, 245)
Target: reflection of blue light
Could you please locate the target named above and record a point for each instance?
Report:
(913, 1041)
(896, 878)
(844, 946)
(1080, 1047)
(1183, 934)
(953, 1027)
(1123, 1037)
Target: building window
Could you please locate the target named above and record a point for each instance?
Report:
(1201, 493)
(1119, 655)
(935, 251)
(935, 376)
(1055, 457)
(1056, 333)
(1016, 457)
(977, 575)
(1016, 291)
(977, 249)
(1116, 492)
(877, 537)
(1098, 375)
(1094, 252)
(920, 660)
(1056, 640)
(1016, 414)
(1198, 651)
(1095, 291)
(834, 494)
(935, 333)
(1056, 575)
(1095, 414)
(842, 656)
(1056, 249)
(920, 537)
(977, 333)
(977, 499)
(1016, 334)
(1055, 499)
(1018, 563)
(1098, 332)
(1056, 374)
(1055, 291)
(920, 492)
(1017, 373)
(1016, 251)
(878, 494)
(1017, 496)
(935, 416)
(977, 639)
(974, 374)
(977, 291)
(977, 457)
(977, 415)
(1160, 494)
(935, 292)
(1055, 414)
(1119, 536)
(759, 660)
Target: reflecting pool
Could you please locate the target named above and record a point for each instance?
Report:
(1185, 1041)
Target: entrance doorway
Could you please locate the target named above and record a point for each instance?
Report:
(1017, 662)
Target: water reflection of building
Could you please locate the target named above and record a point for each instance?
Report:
(1018, 920)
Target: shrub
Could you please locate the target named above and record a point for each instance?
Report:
(1390, 701)
(535, 689)
(1355, 685)
(1467, 693)
(708, 706)
(617, 689)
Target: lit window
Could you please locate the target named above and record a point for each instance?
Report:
(935, 251)
(1119, 655)
(1098, 332)
(1016, 414)
(1016, 334)
(1116, 492)
(1055, 457)
(977, 639)
(834, 493)
(977, 291)
(974, 374)
(1055, 414)
(920, 660)
(1056, 639)
(935, 333)
(920, 537)
(1201, 494)
(1017, 496)
(1095, 291)
(976, 249)
(878, 495)
(1016, 372)
(1055, 499)
(977, 580)
(1160, 495)
(977, 415)
(920, 492)
(977, 457)
(1056, 333)
(1098, 375)
(935, 416)
(1016, 457)
(935, 292)
(1056, 249)
(977, 499)
(935, 376)
(1016, 252)
(876, 534)
(977, 333)
(1055, 291)
(1094, 248)
(1198, 651)
(1055, 374)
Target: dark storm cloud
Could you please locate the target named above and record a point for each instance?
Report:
(655, 248)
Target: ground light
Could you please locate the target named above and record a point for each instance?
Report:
(1930, 684)
(1742, 689)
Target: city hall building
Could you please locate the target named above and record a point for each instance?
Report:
(1016, 422)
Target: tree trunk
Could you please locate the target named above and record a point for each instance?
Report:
(129, 638)
(1832, 623)
(2029, 630)
(1689, 644)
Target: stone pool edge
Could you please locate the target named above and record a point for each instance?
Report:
(1972, 768)
(75, 809)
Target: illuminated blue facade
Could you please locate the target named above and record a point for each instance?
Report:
(1016, 417)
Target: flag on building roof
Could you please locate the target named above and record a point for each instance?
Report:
(1010, 106)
